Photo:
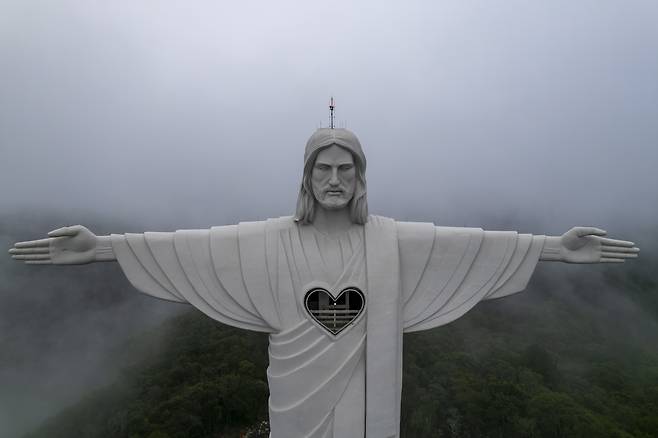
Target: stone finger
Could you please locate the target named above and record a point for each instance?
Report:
(615, 242)
(31, 257)
(33, 243)
(37, 250)
(618, 255)
(605, 248)
(611, 260)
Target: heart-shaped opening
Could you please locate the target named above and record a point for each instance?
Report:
(334, 314)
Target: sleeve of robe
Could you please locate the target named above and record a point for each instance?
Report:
(446, 271)
(222, 271)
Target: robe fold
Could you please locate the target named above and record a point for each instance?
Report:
(414, 276)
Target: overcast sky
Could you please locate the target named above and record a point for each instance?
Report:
(196, 113)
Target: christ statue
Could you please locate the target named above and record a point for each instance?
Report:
(333, 286)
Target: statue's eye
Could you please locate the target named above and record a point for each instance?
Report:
(322, 167)
(346, 167)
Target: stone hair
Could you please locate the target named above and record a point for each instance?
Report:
(306, 203)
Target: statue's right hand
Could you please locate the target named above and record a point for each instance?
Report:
(74, 245)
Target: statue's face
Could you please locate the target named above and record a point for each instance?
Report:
(333, 178)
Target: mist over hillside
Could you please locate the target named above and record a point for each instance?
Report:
(65, 330)
(60, 328)
(575, 353)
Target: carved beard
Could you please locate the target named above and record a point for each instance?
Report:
(333, 201)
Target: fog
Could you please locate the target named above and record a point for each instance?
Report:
(131, 116)
(159, 110)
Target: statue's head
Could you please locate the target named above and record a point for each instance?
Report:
(334, 176)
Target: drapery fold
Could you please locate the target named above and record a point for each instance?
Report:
(199, 267)
(446, 271)
(304, 390)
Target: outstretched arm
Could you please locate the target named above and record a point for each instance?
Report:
(587, 245)
(74, 245)
(199, 267)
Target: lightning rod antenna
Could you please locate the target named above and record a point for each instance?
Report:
(331, 112)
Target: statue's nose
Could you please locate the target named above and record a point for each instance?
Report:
(334, 181)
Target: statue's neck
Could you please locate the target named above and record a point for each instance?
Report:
(332, 222)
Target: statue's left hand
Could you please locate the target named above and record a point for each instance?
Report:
(589, 245)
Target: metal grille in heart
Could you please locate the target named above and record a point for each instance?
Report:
(334, 314)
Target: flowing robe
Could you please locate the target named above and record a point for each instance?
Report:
(254, 275)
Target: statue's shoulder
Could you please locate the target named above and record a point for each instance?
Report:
(405, 227)
(273, 224)
(281, 223)
(372, 218)
(412, 230)
(375, 220)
